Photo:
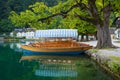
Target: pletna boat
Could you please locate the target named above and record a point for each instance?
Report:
(62, 45)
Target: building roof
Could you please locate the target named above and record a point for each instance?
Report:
(20, 30)
(30, 29)
(24, 29)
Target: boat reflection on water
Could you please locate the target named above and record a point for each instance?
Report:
(53, 65)
(56, 68)
(62, 67)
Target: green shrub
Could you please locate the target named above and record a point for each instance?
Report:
(114, 66)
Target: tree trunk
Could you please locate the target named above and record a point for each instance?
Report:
(103, 34)
(82, 38)
(87, 38)
(104, 38)
(95, 35)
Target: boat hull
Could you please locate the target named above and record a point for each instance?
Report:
(28, 50)
(28, 53)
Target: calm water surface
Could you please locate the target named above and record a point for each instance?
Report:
(15, 66)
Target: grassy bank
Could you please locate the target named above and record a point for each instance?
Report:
(108, 59)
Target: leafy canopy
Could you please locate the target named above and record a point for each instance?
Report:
(40, 10)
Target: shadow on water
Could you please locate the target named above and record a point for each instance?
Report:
(15, 66)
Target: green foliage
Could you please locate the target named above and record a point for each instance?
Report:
(114, 66)
(29, 15)
(23, 19)
(115, 58)
(61, 6)
(115, 8)
(40, 10)
(6, 25)
(14, 7)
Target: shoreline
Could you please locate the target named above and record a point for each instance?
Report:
(108, 59)
(102, 63)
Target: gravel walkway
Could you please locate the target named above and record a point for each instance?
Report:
(114, 41)
(106, 52)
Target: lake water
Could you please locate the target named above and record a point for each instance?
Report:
(15, 66)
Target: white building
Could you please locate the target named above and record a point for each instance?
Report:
(30, 35)
(19, 34)
(11, 34)
(27, 33)
(23, 34)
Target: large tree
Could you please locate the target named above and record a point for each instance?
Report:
(95, 12)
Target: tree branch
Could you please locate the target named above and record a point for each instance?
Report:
(42, 19)
(106, 14)
(107, 10)
(93, 8)
(83, 6)
(90, 20)
(62, 13)
(94, 11)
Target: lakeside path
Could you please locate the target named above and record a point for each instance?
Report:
(106, 52)
(94, 43)
(109, 58)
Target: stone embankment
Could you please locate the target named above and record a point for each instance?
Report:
(109, 59)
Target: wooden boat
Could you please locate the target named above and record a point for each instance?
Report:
(56, 47)
(57, 41)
